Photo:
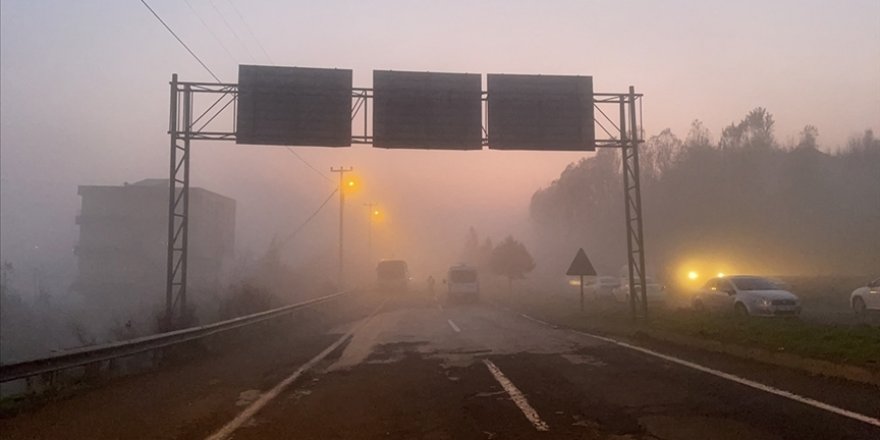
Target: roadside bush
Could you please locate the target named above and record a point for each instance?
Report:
(245, 299)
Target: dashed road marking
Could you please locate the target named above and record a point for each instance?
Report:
(454, 327)
(245, 416)
(537, 320)
(727, 376)
(517, 397)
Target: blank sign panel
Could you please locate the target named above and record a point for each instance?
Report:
(541, 112)
(294, 106)
(427, 110)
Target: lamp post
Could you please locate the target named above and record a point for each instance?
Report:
(343, 185)
(372, 213)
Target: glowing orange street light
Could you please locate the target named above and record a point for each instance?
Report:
(343, 185)
(373, 214)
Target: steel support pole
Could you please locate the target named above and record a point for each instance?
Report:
(341, 230)
(370, 213)
(625, 156)
(178, 206)
(184, 253)
(635, 139)
(370, 240)
(369, 235)
(169, 267)
(582, 293)
(341, 171)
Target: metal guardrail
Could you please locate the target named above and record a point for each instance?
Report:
(93, 354)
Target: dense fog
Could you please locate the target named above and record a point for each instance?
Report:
(85, 102)
(743, 202)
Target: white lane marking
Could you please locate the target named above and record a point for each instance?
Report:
(454, 327)
(538, 320)
(227, 430)
(517, 397)
(733, 378)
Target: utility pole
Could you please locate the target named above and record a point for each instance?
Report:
(370, 214)
(341, 171)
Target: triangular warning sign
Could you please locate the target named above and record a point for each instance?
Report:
(581, 265)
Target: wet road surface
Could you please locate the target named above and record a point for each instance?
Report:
(421, 370)
(412, 368)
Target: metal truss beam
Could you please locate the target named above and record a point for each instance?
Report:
(178, 207)
(632, 194)
(211, 126)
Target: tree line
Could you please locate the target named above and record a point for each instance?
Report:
(747, 199)
(509, 258)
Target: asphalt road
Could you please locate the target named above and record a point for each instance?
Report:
(419, 369)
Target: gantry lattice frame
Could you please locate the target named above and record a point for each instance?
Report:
(216, 120)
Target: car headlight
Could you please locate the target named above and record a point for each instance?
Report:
(764, 302)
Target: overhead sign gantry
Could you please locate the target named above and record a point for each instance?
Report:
(314, 107)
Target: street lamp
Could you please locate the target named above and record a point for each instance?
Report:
(343, 186)
(372, 213)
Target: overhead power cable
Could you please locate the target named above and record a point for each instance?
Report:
(231, 30)
(181, 41)
(248, 28)
(303, 225)
(213, 34)
(291, 151)
(227, 51)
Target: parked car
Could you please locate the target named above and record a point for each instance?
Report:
(866, 298)
(601, 287)
(655, 292)
(462, 284)
(747, 295)
(780, 283)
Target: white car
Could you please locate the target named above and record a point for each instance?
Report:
(747, 295)
(866, 298)
(656, 292)
(600, 286)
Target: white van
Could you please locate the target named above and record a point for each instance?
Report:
(463, 284)
(392, 276)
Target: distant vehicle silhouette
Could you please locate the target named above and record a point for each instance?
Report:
(463, 284)
(601, 287)
(656, 292)
(392, 276)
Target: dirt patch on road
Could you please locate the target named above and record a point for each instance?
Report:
(413, 398)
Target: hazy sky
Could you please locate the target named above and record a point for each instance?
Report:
(84, 95)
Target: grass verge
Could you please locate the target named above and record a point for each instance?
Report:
(857, 345)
